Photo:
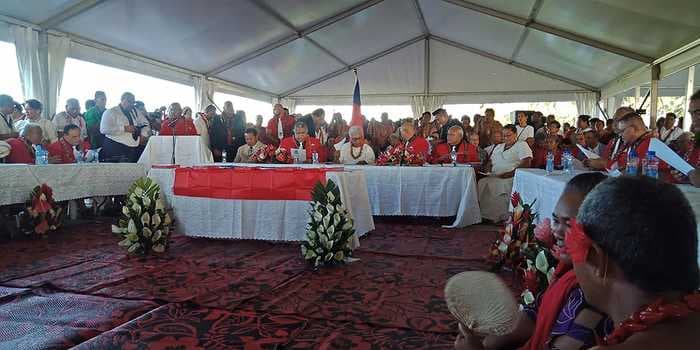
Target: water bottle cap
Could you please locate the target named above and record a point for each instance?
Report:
(651, 153)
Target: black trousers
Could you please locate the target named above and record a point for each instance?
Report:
(115, 152)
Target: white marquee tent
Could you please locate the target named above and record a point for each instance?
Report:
(423, 52)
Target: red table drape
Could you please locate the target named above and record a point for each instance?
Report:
(248, 183)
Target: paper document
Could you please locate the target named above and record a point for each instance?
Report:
(588, 153)
(666, 154)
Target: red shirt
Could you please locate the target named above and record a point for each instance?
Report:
(183, 127)
(287, 127)
(539, 157)
(21, 152)
(310, 145)
(641, 147)
(64, 150)
(466, 153)
(418, 145)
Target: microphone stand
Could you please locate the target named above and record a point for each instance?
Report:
(172, 160)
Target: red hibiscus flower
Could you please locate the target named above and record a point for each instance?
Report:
(543, 233)
(515, 199)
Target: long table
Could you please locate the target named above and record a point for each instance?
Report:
(435, 191)
(68, 181)
(535, 184)
(274, 220)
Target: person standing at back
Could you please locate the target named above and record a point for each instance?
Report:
(93, 117)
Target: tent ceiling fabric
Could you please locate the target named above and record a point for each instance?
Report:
(378, 77)
(627, 23)
(356, 37)
(197, 35)
(462, 25)
(462, 71)
(290, 43)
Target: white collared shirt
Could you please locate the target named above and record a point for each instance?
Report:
(114, 121)
(365, 154)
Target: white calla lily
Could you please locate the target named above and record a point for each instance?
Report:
(133, 247)
(137, 208)
(117, 229)
(331, 196)
(146, 201)
(155, 220)
(167, 220)
(145, 219)
(147, 232)
(158, 248)
(125, 210)
(541, 263)
(125, 242)
(131, 227)
(157, 236)
(160, 205)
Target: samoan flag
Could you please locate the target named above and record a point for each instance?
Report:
(356, 105)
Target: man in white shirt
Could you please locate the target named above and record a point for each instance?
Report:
(357, 151)
(125, 130)
(252, 145)
(592, 142)
(33, 108)
(670, 132)
(7, 129)
(71, 116)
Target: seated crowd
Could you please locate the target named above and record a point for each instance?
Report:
(120, 134)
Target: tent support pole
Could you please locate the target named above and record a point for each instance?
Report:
(688, 93)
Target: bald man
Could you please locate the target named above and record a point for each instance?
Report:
(466, 152)
(413, 143)
(176, 124)
(71, 116)
(615, 145)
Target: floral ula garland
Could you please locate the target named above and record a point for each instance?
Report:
(42, 213)
(540, 262)
(330, 230)
(144, 225)
(283, 156)
(264, 154)
(399, 155)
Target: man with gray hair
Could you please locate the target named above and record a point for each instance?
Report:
(302, 140)
(22, 148)
(71, 116)
(125, 129)
(357, 151)
(615, 145)
(464, 152)
(7, 106)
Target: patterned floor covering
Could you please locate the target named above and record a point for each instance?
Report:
(78, 289)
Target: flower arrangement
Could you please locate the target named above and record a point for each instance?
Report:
(283, 156)
(264, 154)
(42, 213)
(144, 225)
(540, 262)
(391, 156)
(330, 229)
(516, 236)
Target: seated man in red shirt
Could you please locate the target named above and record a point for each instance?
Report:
(465, 152)
(553, 145)
(301, 139)
(176, 124)
(22, 148)
(635, 135)
(63, 151)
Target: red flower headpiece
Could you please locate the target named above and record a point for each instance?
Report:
(577, 243)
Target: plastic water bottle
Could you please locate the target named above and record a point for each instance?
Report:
(77, 155)
(314, 157)
(632, 163)
(568, 161)
(41, 155)
(651, 165)
(224, 158)
(549, 167)
(453, 156)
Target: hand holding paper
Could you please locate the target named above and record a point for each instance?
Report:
(666, 154)
(588, 153)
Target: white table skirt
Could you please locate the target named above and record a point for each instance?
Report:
(534, 184)
(423, 191)
(274, 220)
(68, 181)
(189, 150)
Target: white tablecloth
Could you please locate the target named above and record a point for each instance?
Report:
(423, 191)
(68, 181)
(534, 184)
(189, 150)
(260, 219)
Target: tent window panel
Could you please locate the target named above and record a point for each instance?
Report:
(564, 111)
(10, 83)
(81, 79)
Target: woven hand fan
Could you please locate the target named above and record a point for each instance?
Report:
(482, 302)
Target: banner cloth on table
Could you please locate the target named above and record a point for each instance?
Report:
(266, 219)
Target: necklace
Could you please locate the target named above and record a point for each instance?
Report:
(653, 314)
(352, 153)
